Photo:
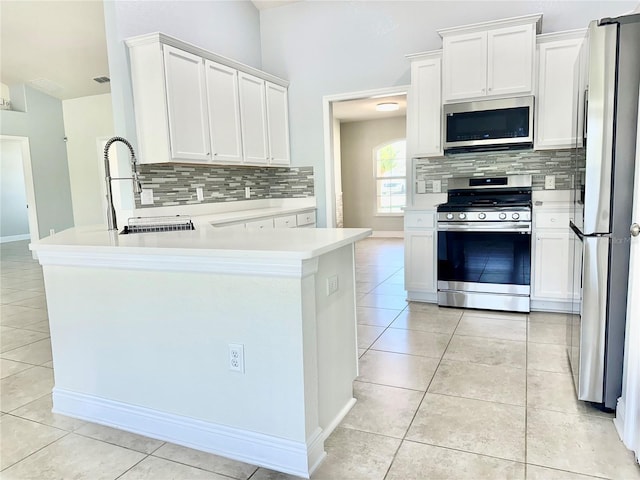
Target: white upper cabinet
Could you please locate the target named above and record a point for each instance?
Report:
(277, 124)
(188, 118)
(193, 106)
(489, 59)
(465, 66)
(265, 121)
(559, 110)
(424, 106)
(224, 112)
(253, 117)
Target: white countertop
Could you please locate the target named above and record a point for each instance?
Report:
(205, 243)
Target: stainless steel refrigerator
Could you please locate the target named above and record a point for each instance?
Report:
(602, 208)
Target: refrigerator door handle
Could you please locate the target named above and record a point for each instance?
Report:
(576, 230)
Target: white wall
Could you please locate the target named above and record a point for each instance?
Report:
(358, 139)
(14, 218)
(4, 92)
(86, 119)
(327, 48)
(42, 123)
(229, 28)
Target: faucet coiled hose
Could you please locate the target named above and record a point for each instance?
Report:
(137, 187)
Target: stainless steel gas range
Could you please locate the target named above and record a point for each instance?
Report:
(484, 243)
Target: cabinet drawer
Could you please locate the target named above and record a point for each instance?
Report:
(285, 222)
(306, 218)
(260, 224)
(419, 220)
(552, 220)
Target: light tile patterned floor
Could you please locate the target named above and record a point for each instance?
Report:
(442, 393)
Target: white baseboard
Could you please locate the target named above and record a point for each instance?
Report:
(15, 238)
(287, 456)
(559, 306)
(619, 420)
(388, 234)
(427, 297)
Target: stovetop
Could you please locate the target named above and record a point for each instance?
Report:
(491, 204)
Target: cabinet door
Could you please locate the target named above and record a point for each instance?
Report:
(278, 124)
(224, 112)
(424, 115)
(510, 56)
(552, 266)
(558, 94)
(253, 119)
(266, 223)
(186, 105)
(465, 66)
(420, 266)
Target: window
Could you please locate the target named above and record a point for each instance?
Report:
(391, 177)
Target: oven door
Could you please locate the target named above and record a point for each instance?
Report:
(485, 266)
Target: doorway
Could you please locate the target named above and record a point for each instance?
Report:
(19, 214)
(334, 107)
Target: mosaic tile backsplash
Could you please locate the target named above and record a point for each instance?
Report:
(176, 184)
(561, 163)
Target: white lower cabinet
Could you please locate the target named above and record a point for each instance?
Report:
(420, 272)
(261, 224)
(305, 219)
(288, 221)
(552, 262)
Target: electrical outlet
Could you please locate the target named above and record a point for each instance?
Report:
(200, 193)
(332, 284)
(421, 186)
(247, 192)
(550, 182)
(146, 197)
(236, 357)
(437, 186)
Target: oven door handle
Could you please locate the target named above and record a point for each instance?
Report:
(503, 227)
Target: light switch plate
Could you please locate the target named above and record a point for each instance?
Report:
(146, 197)
(549, 182)
(200, 193)
(437, 186)
(421, 186)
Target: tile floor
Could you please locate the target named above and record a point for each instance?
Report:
(442, 393)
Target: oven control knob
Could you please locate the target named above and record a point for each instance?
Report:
(482, 216)
(502, 216)
(462, 215)
(515, 216)
(449, 216)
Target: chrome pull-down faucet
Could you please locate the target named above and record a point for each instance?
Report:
(137, 187)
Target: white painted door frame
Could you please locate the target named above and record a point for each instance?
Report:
(32, 212)
(627, 419)
(331, 163)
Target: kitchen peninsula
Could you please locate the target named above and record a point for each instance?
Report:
(238, 343)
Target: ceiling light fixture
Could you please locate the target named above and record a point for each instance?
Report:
(387, 107)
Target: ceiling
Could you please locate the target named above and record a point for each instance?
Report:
(56, 46)
(365, 108)
(59, 47)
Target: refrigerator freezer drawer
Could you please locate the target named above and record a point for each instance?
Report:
(593, 318)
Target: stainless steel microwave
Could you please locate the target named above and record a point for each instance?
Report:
(502, 124)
